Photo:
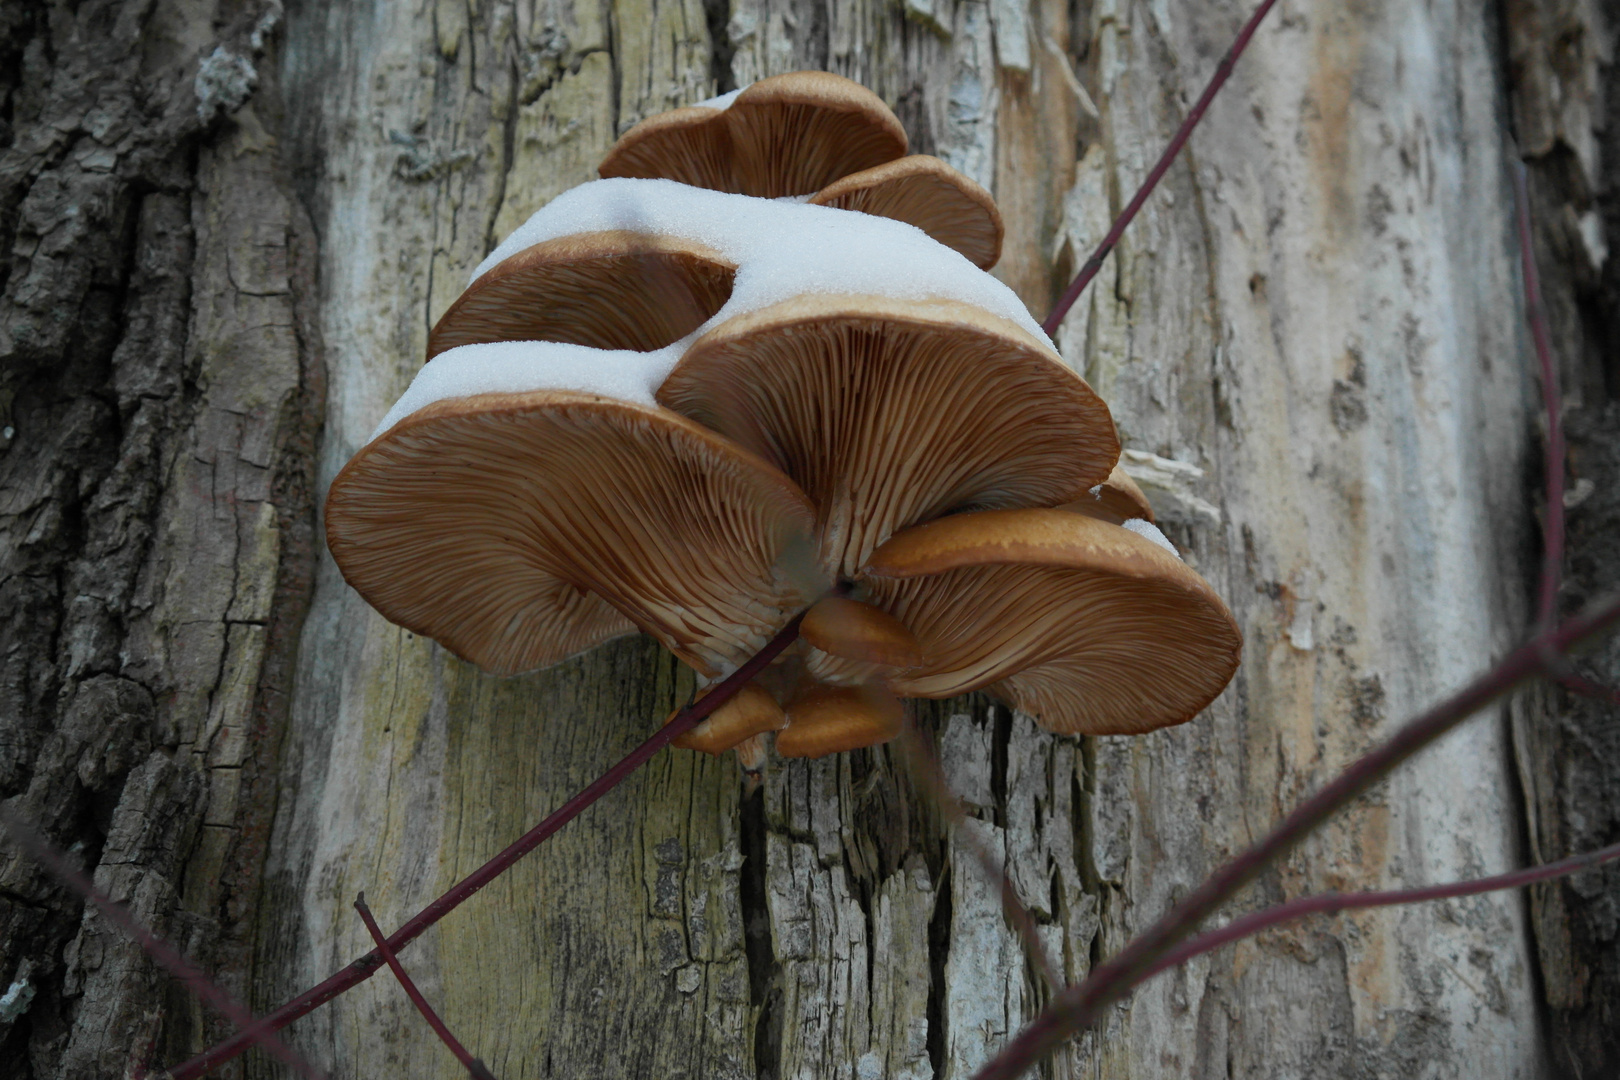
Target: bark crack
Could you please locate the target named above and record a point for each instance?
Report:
(764, 971)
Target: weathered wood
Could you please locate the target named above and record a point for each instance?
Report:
(1563, 81)
(1320, 312)
(1313, 346)
(1312, 313)
(162, 395)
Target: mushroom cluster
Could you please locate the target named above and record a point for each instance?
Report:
(759, 368)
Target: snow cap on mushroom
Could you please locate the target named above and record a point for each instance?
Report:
(924, 191)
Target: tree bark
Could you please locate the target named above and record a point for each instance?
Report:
(162, 392)
(228, 226)
(1566, 88)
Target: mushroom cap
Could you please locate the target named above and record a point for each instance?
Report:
(889, 412)
(824, 720)
(752, 711)
(853, 630)
(518, 529)
(609, 290)
(1088, 626)
(1116, 500)
(786, 135)
(924, 191)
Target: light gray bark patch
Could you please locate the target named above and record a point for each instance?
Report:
(224, 82)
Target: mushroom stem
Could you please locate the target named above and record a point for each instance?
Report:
(367, 966)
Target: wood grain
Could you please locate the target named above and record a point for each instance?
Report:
(1317, 311)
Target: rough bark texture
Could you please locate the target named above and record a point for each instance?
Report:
(1312, 343)
(161, 396)
(1566, 92)
(1311, 337)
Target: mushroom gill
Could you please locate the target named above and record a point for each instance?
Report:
(608, 290)
(518, 529)
(890, 412)
(786, 135)
(925, 192)
(1088, 626)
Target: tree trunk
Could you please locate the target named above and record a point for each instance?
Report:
(1565, 82)
(228, 226)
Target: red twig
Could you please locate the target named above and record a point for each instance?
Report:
(1578, 684)
(1094, 263)
(1552, 558)
(1553, 540)
(1077, 1007)
(477, 1068)
(362, 969)
(1329, 903)
(928, 774)
(159, 950)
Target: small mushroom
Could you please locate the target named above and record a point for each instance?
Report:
(890, 412)
(786, 135)
(925, 192)
(753, 711)
(1116, 500)
(520, 528)
(852, 630)
(1090, 627)
(825, 719)
(609, 290)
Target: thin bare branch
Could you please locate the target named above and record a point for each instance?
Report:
(1077, 1007)
(1330, 903)
(161, 952)
(1089, 269)
(1552, 557)
(919, 758)
(365, 967)
(1580, 684)
(477, 1068)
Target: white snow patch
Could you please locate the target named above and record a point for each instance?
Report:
(515, 367)
(723, 101)
(1145, 528)
(782, 250)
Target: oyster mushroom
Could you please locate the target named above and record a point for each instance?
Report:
(612, 289)
(1089, 626)
(891, 412)
(823, 719)
(752, 712)
(520, 528)
(786, 135)
(925, 192)
(1116, 500)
